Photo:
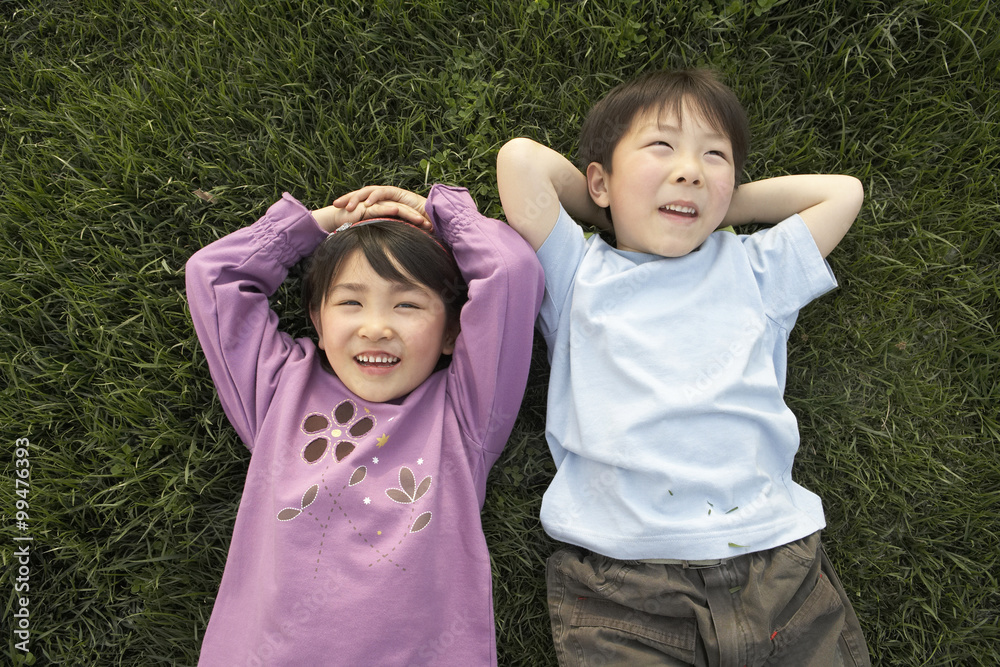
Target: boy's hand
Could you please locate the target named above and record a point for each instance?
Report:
(827, 203)
(385, 200)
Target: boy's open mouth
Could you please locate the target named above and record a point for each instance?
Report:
(677, 209)
(377, 360)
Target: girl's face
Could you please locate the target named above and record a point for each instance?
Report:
(382, 338)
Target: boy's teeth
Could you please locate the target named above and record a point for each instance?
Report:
(680, 209)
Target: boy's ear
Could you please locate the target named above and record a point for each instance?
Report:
(597, 184)
(317, 323)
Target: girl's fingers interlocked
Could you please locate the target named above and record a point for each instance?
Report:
(373, 194)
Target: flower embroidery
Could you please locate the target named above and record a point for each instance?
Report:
(344, 431)
(359, 513)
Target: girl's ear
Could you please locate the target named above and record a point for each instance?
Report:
(597, 184)
(450, 336)
(317, 323)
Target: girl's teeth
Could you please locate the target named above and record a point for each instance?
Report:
(377, 359)
(680, 209)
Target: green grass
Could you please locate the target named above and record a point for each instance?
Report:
(113, 115)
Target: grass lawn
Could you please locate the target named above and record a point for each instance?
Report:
(133, 132)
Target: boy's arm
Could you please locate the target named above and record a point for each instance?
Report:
(827, 203)
(533, 180)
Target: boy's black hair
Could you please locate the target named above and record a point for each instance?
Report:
(397, 252)
(664, 91)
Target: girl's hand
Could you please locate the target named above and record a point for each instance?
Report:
(337, 214)
(380, 200)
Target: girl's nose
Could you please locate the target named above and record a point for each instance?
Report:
(375, 327)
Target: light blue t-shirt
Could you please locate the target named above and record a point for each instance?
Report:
(665, 413)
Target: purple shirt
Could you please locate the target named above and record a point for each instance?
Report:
(358, 538)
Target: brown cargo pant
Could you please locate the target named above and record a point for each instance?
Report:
(782, 606)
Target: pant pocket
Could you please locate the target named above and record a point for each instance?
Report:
(616, 634)
(811, 635)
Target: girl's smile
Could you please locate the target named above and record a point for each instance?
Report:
(382, 338)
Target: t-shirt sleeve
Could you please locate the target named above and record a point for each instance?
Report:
(490, 364)
(789, 268)
(228, 285)
(560, 255)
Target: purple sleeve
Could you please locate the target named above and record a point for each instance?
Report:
(228, 285)
(489, 368)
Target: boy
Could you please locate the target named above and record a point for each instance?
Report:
(689, 543)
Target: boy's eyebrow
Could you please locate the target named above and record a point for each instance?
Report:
(669, 127)
(663, 125)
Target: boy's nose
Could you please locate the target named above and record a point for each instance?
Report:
(687, 169)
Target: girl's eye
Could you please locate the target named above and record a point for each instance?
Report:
(718, 154)
(662, 143)
(407, 305)
(349, 302)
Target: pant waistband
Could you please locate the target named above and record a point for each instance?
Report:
(686, 564)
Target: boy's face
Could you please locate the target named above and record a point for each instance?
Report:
(382, 338)
(671, 183)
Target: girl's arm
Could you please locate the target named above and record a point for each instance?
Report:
(489, 368)
(228, 285)
(827, 203)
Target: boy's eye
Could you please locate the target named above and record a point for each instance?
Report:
(407, 305)
(662, 143)
(721, 154)
(349, 302)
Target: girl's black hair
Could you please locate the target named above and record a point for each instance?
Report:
(397, 252)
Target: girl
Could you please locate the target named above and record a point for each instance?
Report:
(358, 537)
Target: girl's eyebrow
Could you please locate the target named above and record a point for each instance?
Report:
(349, 287)
(397, 287)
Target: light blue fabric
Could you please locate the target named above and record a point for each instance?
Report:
(665, 412)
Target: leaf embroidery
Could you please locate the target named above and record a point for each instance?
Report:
(358, 476)
(421, 522)
(408, 491)
(308, 498)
